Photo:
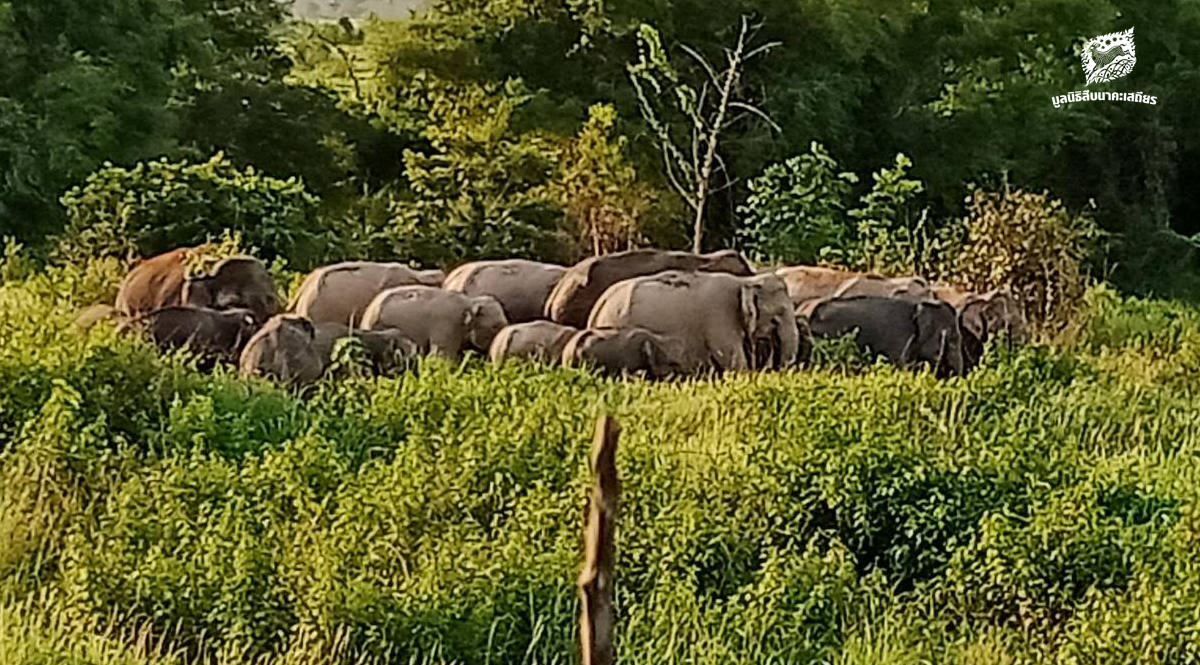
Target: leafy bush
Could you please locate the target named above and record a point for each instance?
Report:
(160, 205)
(1030, 244)
(800, 211)
(797, 209)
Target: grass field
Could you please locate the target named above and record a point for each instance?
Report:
(1046, 509)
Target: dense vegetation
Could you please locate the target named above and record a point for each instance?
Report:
(1041, 510)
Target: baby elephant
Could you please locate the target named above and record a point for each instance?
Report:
(292, 349)
(625, 351)
(539, 341)
(215, 335)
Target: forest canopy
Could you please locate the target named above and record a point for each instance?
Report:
(460, 133)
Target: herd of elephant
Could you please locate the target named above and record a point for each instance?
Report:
(645, 312)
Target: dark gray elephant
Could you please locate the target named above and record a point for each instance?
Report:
(521, 286)
(291, 348)
(626, 352)
(388, 350)
(573, 297)
(441, 322)
(340, 293)
(726, 322)
(540, 341)
(283, 349)
(238, 282)
(214, 335)
(907, 333)
(914, 289)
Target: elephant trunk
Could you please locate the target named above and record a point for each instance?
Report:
(789, 342)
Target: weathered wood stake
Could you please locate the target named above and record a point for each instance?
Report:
(596, 578)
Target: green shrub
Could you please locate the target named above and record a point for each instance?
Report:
(160, 205)
(797, 209)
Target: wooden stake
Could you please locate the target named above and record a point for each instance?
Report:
(596, 579)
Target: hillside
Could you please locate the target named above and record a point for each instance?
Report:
(1041, 510)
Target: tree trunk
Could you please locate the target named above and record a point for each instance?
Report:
(596, 627)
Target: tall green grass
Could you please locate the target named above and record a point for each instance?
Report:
(1044, 509)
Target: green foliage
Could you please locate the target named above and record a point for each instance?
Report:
(160, 205)
(1030, 244)
(892, 238)
(797, 208)
(1042, 509)
(600, 190)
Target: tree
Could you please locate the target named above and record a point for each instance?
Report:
(691, 167)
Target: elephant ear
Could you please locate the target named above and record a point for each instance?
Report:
(748, 306)
(472, 312)
(971, 318)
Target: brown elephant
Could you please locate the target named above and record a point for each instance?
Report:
(726, 322)
(214, 335)
(576, 293)
(907, 333)
(161, 281)
(340, 293)
(540, 341)
(906, 288)
(626, 352)
(441, 322)
(292, 349)
(521, 286)
(805, 283)
(152, 284)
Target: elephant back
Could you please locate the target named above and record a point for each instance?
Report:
(152, 284)
(576, 293)
(340, 293)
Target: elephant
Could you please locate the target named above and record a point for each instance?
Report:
(388, 349)
(235, 282)
(906, 288)
(907, 333)
(293, 349)
(806, 283)
(152, 284)
(625, 351)
(441, 322)
(215, 335)
(340, 293)
(581, 286)
(521, 286)
(541, 341)
(161, 281)
(726, 322)
(996, 311)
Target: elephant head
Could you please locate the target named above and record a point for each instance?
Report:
(938, 337)
(284, 349)
(483, 319)
(621, 351)
(769, 320)
(238, 282)
(989, 314)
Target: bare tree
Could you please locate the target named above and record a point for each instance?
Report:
(710, 111)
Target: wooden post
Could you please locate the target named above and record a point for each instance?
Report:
(596, 578)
